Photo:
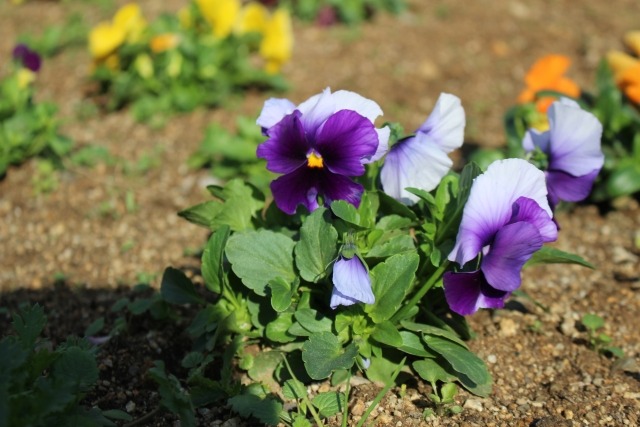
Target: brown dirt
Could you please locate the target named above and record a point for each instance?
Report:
(544, 373)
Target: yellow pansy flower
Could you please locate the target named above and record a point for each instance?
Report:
(253, 18)
(104, 39)
(277, 41)
(130, 20)
(220, 14)
(25, 77)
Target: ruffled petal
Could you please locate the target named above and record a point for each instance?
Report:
(413, 162)
(512, 247)
(490, 204)
(286, 149)
(316, 110)
(575, 139)
(351, 281)
(339, 187)
(527, 210)
(446, 123)
(563, 186)
(273, 111)
(346, 100)
(299, 187)
(383, 145)
(534, 138)
(344, 140)
(467, 292)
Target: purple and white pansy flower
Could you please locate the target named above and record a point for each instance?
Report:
(572, 149)
(421, 160)
(319, 146)
(505, 220)
(351, 283)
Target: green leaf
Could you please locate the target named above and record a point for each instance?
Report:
(277, 330)
(389, 205)
(592, 321)
(117, 414)
(394, 245)
(317, 246)
(430, 370)
(240, 205)
(313, 321)
(329, 403)
(294, 389)
(257, 257)
(390, 283)
(172, 395)
(548, 255)
(323, 354)
(176, 288)
(264, 365)
(624, 180)
(433, 330)
(266, 410)
(281, 293)
(95, 327)
(212, 259)
(413, 344)
(28, 324)
(347, 212)
(202, 214)
(472, 371)
(386, 333)
(77, 367)
(300, 421)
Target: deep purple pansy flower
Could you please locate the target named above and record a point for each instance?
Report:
(28, 58)
(420, 161)
(505, 220)
(319, 146)
(351, 282)
(572, 149)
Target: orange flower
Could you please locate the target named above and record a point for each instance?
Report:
(548, 74)
(626, 72)
(164, 42)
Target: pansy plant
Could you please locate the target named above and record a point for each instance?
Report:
(336, 277)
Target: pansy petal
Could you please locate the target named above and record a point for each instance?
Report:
(575, 140)
(338, 298)
(527, 210)
(344, 140)
(383, 145)
(316, 110)
(413, 162)
(351, 279)
(273, 111)
(446, 123)
(339, 187)
(286, 149)
(512, 247)
(346, 100)
(534, 138)
(299, 187)
(563, 186)
(467, 292)
(490, 204)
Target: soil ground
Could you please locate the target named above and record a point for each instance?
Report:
(544, 372)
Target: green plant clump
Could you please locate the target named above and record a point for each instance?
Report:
(44, 386)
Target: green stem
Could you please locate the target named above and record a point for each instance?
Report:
(314, 414)
(345, 411)
(381, 394)
(421, 292)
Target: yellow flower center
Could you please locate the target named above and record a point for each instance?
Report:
(314, 160)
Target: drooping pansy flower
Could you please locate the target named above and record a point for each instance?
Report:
(351, 281)
(571, 148)
(421, 160)
(505, 220)
(27, 57)
(319, 146)
(547, 73)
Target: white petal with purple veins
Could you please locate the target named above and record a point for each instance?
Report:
(273, 111)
